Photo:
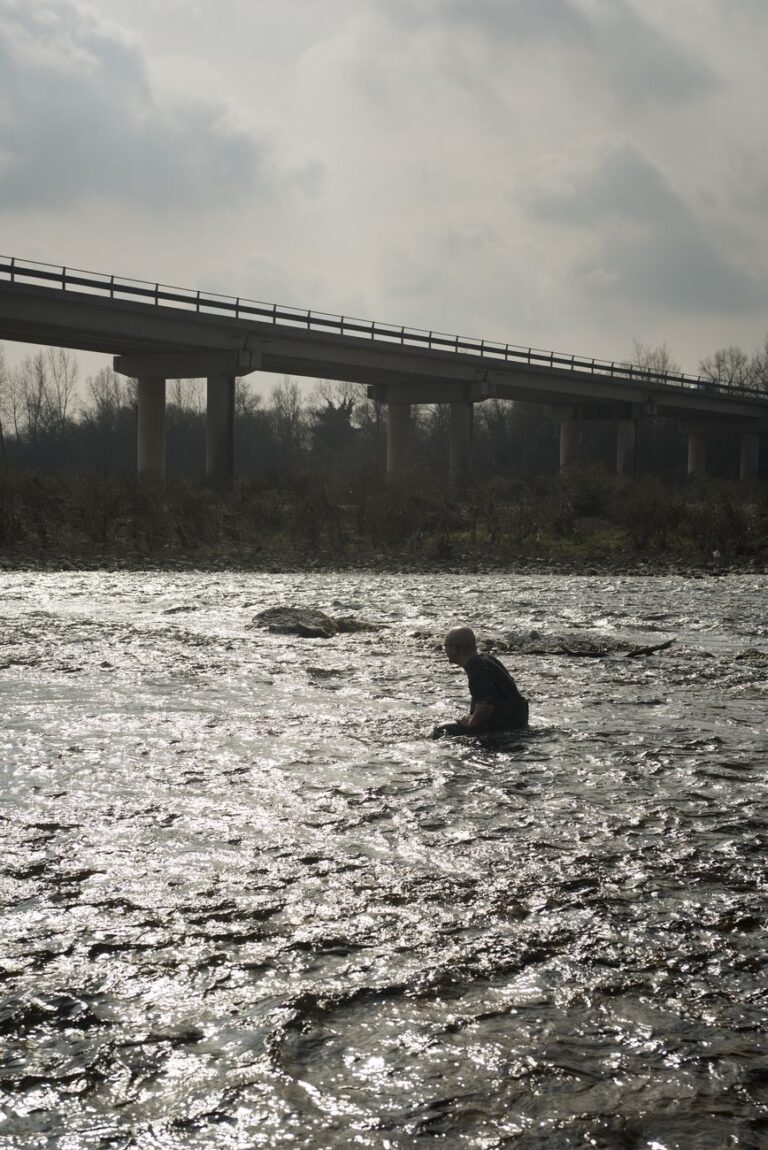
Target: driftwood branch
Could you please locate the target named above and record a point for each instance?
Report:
(633, 654)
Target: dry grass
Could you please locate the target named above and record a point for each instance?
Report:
(362, 517)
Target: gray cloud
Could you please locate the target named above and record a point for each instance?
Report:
(748, 14)
(420, 116)
(645, 242)
(748, 180)
(80, 119)
(634, 58)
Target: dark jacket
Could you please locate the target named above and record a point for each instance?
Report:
(491, 682)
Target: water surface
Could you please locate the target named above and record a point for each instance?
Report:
(248, 903)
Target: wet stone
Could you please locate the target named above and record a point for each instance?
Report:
(296, 621)
(310, 624)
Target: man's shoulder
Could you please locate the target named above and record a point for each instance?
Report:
(491, 667)
(479, 665)
(486, 661)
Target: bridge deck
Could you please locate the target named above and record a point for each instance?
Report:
(51, 306)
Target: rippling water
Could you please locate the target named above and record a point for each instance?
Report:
(248, 903)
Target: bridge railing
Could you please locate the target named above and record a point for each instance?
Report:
(33, 274)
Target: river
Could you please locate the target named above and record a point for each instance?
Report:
(247, 902)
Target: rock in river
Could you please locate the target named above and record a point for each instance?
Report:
(308, 623)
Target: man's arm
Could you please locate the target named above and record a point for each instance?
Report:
(481, 713)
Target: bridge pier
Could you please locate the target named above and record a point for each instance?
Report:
(697, 453)
(461, 395)
(626, 447)
(150, 440)
(398, 437)
(570, 443)
(220, 430)
(220, 368)
(460, 443)
(749, 455)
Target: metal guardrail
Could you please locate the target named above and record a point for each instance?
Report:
(32, 273)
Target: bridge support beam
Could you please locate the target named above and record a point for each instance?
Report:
(188, 364)
(220, 430)
(697, 453)
(460, 443)
(626, 448)
(749, 455)
(570, 443)
(150, 442)
(398, 437)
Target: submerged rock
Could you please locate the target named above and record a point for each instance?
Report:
(349, 625)
(583, 645)
(309, 623)
(297, 621)
(580, 645)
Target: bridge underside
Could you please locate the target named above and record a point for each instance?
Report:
(155, 343)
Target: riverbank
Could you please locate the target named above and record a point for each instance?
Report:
(291, 563)
(587, 523)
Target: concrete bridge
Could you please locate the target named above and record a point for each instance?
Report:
(157, 333)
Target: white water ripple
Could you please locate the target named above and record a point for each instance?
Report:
(248, 902)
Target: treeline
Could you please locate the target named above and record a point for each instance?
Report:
(45, 427)
(49, 423)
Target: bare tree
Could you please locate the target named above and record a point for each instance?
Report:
(370, 417)
(658, 360)
(36, 396)
(335, 440)
(3, 399)
(61, 380)
(431, 424)
(186, 394)
(729, 367)
(30, 397)
(760, 367)
(108, 392)
(246, 399)
(335, 393)
(14, 403)
(287, 410)
(189, 395)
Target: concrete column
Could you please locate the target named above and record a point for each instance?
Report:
(150, 453)
(460, 443)
(398, 437)
(570, 443)
(749, 455)
(626, 447)
(220, 429)
(697, 453)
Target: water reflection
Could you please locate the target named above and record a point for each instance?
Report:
(248, 902)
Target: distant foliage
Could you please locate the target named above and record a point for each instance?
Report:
(337, 518)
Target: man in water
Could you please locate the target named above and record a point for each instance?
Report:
(497, 705)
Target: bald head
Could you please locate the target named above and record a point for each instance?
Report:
(460, 645)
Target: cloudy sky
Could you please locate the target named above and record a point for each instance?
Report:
(572, 174)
